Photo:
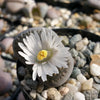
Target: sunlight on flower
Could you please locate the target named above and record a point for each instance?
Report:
(45, 52)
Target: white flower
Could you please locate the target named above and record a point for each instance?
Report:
(45, 52)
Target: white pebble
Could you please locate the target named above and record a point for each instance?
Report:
(81, 78)
(44, 94)
(87, 85)
(33, 94)
(95, 70)
(79, 96)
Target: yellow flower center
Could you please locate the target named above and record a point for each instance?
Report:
(42, 55)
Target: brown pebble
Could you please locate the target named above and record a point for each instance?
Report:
(5, 82)
(20, 96)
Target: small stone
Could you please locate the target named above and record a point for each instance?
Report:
(53, 94)
(65, 40)
(95, 69)
(69, 23)
(1, 23)
(97, 80)
(91, 94)
(2, 64)
(91, 45)
(54, 22)
(80, 62)
(79, 96)
(97, 16)
(94, 3)
(76, 71)
(20, 96)
(5, 82)
(39, 97)
(80, 45)
(63, 90)
(87, 85)
(72, 81)
(81, 78)
(85, 41)
(43, 7)
(78, 84)
(44, 94)
(74, 52)
(7, 42)
(13, 72)
(96, 86)
(68, 96)
(87, 52)
(72, 89)
(53, 13)
(75, 39)
(1, 2)
(80, 54)
(97, 48)
(33, 94)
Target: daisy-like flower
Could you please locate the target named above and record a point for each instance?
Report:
(45, 52)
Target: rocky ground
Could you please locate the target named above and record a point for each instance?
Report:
(15, 17)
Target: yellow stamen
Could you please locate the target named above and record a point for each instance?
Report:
(42, 55)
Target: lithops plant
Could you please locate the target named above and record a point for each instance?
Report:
(15, 6)
(44, 56)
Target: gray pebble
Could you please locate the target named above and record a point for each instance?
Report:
(74, 52)
(96, 86)
(87, 52)
(91, 45)
(43, 7)
(65, 40)
(91, 94)
(68, 96)
(97, 80)
(80, 62)
(75, 39)
(39, 97)
(76, 71)
(97, 48)
(80, 54)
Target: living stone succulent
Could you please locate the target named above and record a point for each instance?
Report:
(44, 56)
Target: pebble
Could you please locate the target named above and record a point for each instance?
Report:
(1, 2)
(54, 22)
(96, 86)
(13, 72)
(14, 7)
(72, 89)
(74, 52)
(5, 82)
(75, 39)
(94, 3)
(65, 40)
(53, 13)
(87, 85)
(80, 62)
(79, 96)
(43, 7)
(97, 16)
(68, 96)
(1, 23)
(80, 54)
(39, 97)
(97, 80)
(87, 52)
(7, 42)
(53, 94)
(81, 78)
(91, 94)
(72, 81)
(63, 90)
(20, 96)
(95, 69)
(97, 48)
(91, 45)
(33, 94)
(76, 71)
(2, 64)
(78, 84)
(81, 44)
(44, 94)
